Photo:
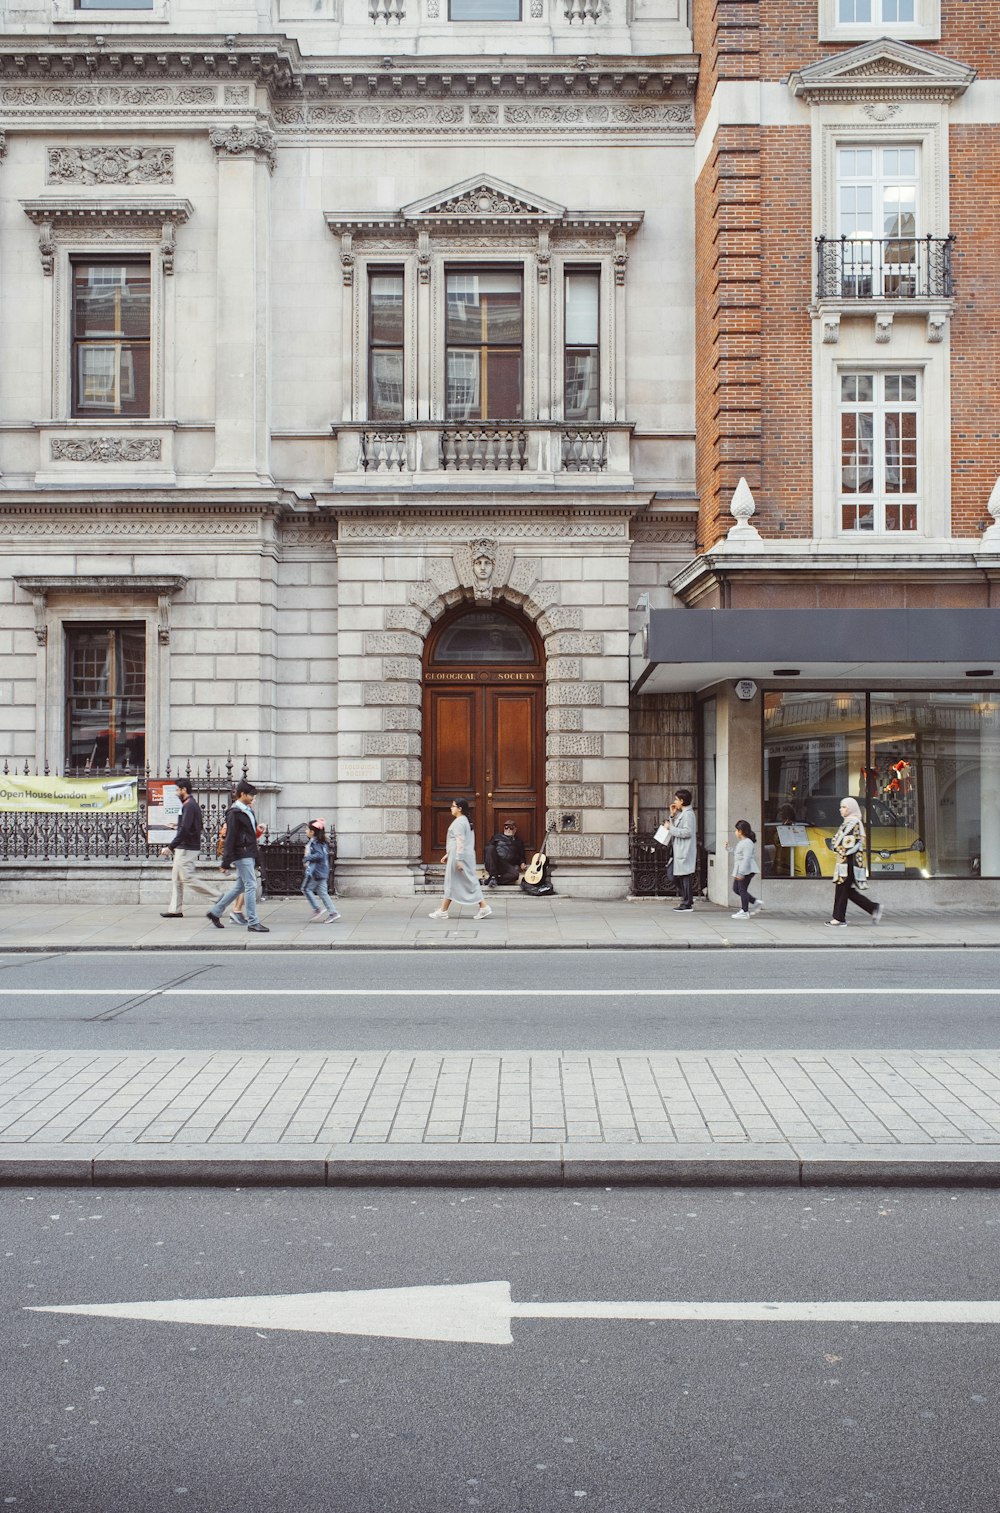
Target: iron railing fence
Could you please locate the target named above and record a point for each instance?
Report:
(87, 836)
(894, 268)
(281, 862)
(649, 866)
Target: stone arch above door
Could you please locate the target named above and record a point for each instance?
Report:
(380, 716)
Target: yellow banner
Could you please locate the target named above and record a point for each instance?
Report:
(119, 795)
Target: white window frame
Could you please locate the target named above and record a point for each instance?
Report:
(925, 26)
(65, 13)
(880, 499)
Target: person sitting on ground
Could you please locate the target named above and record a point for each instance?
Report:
(504, 857)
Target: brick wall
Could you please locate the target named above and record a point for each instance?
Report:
(975, 329)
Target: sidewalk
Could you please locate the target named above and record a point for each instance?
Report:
(518, 923)
(514, 1116)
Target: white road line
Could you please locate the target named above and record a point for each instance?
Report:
(821, 990)
(481, 1312)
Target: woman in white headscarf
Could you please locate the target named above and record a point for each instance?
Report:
(849, 846)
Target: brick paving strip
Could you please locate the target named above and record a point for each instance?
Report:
(175, 1115)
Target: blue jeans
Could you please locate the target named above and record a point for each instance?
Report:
(246, 883)
(318, 894)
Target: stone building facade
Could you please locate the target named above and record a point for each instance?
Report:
(386, 372)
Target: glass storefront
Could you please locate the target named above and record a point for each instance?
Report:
(924, 766)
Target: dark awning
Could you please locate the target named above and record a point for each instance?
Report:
(691, 649)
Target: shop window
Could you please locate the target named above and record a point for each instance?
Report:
(924, 766)
(582, 355)
(385, 344)
(879, 452)
(484, 359)
(111, 338)
(105, 696)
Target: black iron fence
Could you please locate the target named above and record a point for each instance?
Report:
(650, 867)
(281, 857)
(896, 268)
(88, 836)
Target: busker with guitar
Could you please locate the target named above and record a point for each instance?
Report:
(504, 857)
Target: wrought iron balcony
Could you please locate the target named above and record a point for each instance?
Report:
(901, 268)
(519, 448)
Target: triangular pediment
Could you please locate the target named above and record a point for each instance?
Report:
(885, 66)
(484, 198)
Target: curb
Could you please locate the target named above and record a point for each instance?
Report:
(515, 1166)
(66, 949)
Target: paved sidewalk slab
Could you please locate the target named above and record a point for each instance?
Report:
(515, 1116)
(518, 923)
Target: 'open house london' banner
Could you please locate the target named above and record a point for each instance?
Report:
(64, 795)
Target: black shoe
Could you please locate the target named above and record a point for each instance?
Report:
(258, 930)
(217, 922)
(171, 914)
(683, 908)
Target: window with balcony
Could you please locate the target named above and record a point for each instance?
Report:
(582, 354)
(879, 452)
(106, 696)
(385, 345)
(484, 356)
(111, 338)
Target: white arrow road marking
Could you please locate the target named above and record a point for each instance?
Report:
(480, 1313)
(365, 992)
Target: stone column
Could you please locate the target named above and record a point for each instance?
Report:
(242, 410)
(989, 791)
(738, 782)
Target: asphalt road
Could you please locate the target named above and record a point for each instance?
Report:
(588, 1000)
(108, 1415)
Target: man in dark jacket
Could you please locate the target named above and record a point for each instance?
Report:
(240, 851)
(184, 849)
(504, 857)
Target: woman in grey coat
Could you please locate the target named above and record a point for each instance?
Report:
(461, 880)
(681, 823)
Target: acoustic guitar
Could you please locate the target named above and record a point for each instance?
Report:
(536, 867)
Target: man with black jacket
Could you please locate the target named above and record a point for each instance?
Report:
(504, 857)
(184, 848)
(240, 851)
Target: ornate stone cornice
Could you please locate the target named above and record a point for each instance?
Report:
(246, 141)
(881, 71)
(88, 63)
(145, 585)
(57, 217)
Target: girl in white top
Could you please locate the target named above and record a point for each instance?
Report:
(744, 868)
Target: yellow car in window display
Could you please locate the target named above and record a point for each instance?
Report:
(896, 850)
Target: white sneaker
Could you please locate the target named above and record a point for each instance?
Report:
(740, 915)
(756, 907)
(485, 912)
(438, 914)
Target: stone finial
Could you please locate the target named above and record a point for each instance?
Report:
(741, 508)
(992, 532)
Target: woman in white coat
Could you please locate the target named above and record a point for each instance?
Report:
(461, 880)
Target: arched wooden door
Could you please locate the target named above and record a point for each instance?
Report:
(484, 727)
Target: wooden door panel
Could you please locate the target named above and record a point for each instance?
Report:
(455, 745)
(513, 753)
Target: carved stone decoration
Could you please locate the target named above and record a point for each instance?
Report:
(880, 113)
(3, 144)
(831, 329)
(163, 619)
(347, 259)
(741, 508)
(110, 165)
(106, 449)
(484, 566)
(543, 257)
(537, 10)
(883, 327)
(937, 325)
(47, 247)
(486, 201)
(620, 259)
(433, 10)
(424, 257)
(163, 586)
(246, 141)
(168, 240)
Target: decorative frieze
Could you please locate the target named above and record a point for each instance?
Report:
(579, 526)
(125, 99)
(110, 165)
(106, 449)
(124, 527)
(446, 117)
(246, 141)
